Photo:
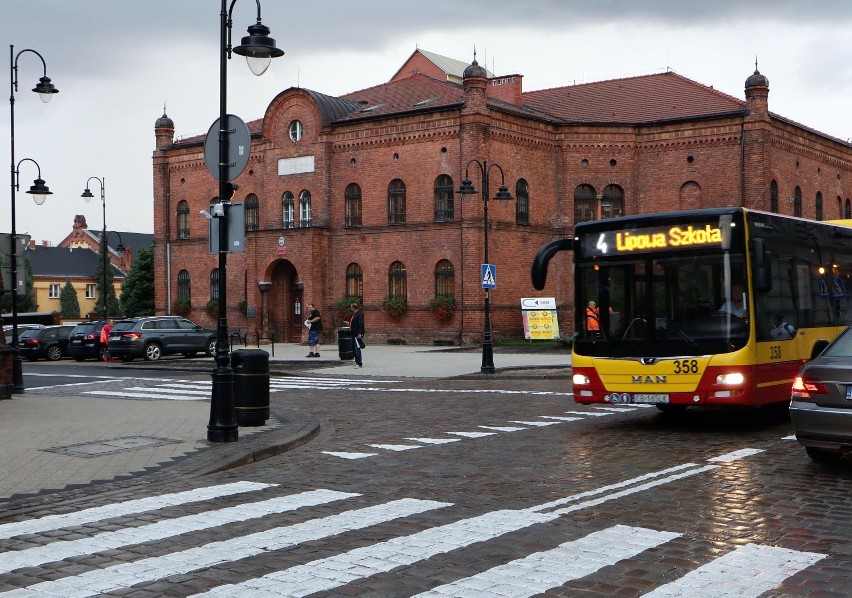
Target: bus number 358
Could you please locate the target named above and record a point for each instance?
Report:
(686, 366)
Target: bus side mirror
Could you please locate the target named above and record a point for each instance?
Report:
(543, 257)
(760, 267)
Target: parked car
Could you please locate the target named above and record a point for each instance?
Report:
(50, 342)
(85, 341)
(7, 331)
(154, 336)
(821, 401)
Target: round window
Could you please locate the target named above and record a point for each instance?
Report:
(296, 130)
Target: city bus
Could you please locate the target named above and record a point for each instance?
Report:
(704, 307)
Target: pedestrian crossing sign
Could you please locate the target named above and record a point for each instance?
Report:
(489, 276)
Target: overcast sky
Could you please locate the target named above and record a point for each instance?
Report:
(117, 62)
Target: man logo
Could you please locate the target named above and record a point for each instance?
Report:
(649, 379)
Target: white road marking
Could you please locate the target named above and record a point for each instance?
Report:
(124, 575)
(541, 571)
(139, 505)
(735, 455)
(503, 428)
(345, 455)
(589, 413)
(166, 528)
(433, 440)
(561, 418)
(472, 434)
(534, 423)
(747, 572)
(395, 447)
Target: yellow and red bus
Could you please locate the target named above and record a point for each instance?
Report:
(705, 307)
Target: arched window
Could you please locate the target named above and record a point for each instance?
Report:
(584, 203)
(444, 204)
(797, 202)
(184, 290)
(183, 220)
(354, 281)
(396, 202)
(397, 280)
(352, 205)
(252, 212)
(305, 209)
(847, 209)
(612, 202)
(445, 279)
(288, 210)
(214, 284)
(522, 202)
(818, 206)
(773, 197)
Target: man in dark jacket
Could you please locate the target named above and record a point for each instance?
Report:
(356, 325)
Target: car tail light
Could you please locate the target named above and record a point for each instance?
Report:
(803, 388)
(133, 336)
(31, 342)
(89, 337)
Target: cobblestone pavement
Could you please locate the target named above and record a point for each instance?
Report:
(483, 487)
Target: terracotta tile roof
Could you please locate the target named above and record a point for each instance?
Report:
(643, 99)
(418, 92)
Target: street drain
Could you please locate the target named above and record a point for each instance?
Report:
(107, 447)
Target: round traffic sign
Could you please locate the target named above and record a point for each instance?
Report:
(239, 147)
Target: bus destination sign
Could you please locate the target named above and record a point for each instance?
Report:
(659, 238)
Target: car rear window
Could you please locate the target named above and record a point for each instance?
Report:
(122, 326)
(29, 333)
(84, 329)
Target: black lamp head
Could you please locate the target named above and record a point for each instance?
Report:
(466, 188)
(258, 48)
(45, 89)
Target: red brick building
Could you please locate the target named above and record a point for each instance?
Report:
(357, 195)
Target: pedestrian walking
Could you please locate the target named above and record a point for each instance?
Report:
(356, 326)
(105, 339)
(315, 321)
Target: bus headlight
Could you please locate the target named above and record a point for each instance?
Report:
(732, 379)
(580, 380)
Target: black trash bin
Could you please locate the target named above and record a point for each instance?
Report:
(344, 343)
(251, 386)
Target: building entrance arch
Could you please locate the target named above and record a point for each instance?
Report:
(283, 317)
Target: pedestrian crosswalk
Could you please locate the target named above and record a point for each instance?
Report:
(200, 390)
(353, 538)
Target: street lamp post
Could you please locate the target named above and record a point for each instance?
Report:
(45, 89)
(259, 49)
(466, 189)
(87, 195)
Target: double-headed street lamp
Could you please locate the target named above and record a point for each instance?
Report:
(45, 89)
(466, 189)
(87, 195)
(259, 49)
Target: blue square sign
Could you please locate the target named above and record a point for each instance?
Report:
(489, 276)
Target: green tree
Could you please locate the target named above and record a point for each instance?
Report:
(69, 306)
(107, 294)
(137, 291)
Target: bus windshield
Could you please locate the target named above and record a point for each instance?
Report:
(662, 304)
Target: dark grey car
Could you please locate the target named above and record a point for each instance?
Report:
(155, 336)
(821, 401)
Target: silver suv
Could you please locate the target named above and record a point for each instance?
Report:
(155, 336)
